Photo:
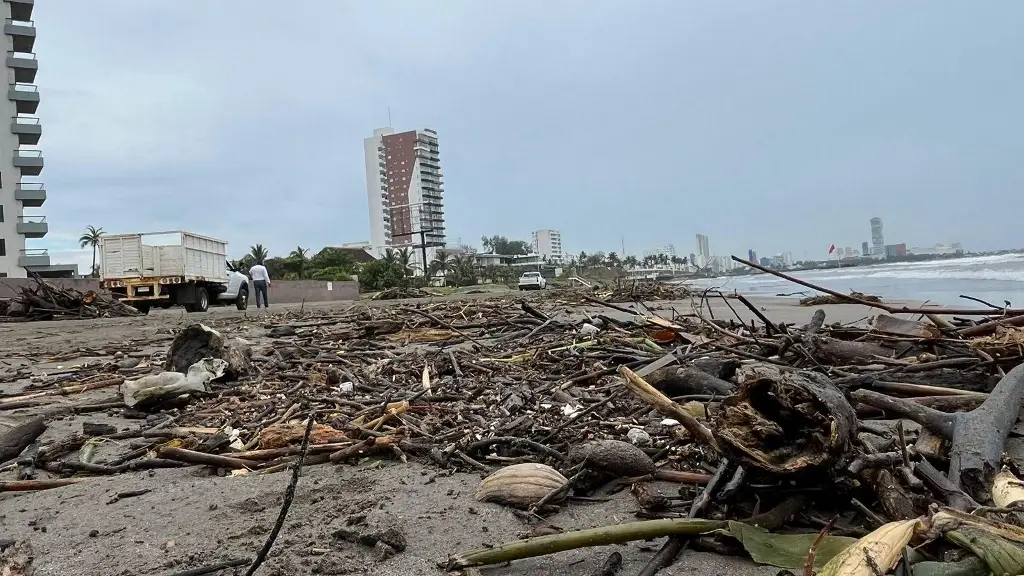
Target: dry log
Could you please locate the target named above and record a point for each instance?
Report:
(785, 422)
(902, 327)
(16, 439)
(978, 437)
(834, 351)
(675, 381)
(192, 457)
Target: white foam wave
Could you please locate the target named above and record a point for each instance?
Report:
(1002, 275)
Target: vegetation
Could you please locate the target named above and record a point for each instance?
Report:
(398, 267)
(91, 239)
(504, 246)
(330, 264)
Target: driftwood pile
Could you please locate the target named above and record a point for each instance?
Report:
(45, 301)
(894, 432)
(826, 299)
(401, 293)
(645, 291)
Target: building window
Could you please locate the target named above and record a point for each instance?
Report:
(1, 213)
(3, 247)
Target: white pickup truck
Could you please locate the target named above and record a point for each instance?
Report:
(532, 281)
(167, 269)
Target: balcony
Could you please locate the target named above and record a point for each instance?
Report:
(30, 162)
(32, 226)
(28, 129)
(23, 34)
(24, 65)
(34, 258)
(31, 195)
(21, 9)
(25, 97)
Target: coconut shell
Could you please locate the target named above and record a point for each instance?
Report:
(614, 457)
(520, 485)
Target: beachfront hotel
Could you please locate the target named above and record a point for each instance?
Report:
(21, 162)
(405, 192)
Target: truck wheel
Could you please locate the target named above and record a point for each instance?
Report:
(142, 308)
(202, 303)
(242, 302)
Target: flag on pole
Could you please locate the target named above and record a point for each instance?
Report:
(831, 248)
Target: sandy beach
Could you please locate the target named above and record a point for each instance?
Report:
(187, 518)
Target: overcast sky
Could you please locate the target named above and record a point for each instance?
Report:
(773, 125)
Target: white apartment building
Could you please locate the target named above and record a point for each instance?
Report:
(548, 243)
(19, 155)
(405, 189)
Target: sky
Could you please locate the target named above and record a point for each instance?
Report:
(778, 126)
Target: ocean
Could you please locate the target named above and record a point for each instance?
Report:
(990, 278)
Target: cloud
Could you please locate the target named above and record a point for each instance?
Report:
(773, 129)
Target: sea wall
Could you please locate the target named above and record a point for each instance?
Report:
(281, 291)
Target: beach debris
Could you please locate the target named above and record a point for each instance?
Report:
(520, 485)
(18, 437)
(785, 422)
(43, 300)
(728, 430)
(287, 433)
(614, 457)
(402, 293)
(198, 341)
(825, 299)
(152, 390)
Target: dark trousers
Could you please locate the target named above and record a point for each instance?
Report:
(261, 288)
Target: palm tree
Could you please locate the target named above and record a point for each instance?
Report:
(259, 253)
(91, 239)
(299, 257)
(630, 261)
(613, 260)
(442, 263)
(390, 256)
(405, 260)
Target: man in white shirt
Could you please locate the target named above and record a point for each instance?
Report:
(260, 282)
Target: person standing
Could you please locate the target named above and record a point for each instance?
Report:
(260, 282)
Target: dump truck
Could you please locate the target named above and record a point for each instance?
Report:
(175, 268)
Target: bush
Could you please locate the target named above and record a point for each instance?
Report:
(381, 275)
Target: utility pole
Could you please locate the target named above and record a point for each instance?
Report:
(423, 251)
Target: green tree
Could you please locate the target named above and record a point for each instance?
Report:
(91, 239)
(462, 271)
(404, 257)
(581, 260)
(502, 245)
(595, 259)
(299, 260)
(441, 263)
(330, 257)
(259, 254)
(279, 268)
(612, 260)
(630, 261)
(382, 274)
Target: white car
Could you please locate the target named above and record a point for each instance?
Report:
(532, 281)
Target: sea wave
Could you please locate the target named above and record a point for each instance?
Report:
(1004, 275)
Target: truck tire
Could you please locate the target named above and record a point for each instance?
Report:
(242, 301)
(202, 303)
(142, 307)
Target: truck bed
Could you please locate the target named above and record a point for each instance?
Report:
(163, 254)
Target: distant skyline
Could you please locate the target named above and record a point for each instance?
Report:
(781, 126)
